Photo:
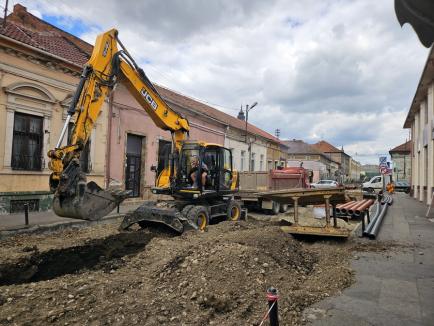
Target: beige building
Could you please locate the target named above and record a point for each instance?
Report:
(355, 170)
(420, 119)
(311, 158)
(36, 83)
(336, 155)
(401, 159)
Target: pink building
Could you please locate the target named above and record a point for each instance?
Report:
(135, 142)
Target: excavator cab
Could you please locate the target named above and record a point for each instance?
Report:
(204, 170)
(201, 170)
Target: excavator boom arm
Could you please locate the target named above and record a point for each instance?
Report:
(107, 66)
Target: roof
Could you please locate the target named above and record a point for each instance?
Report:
(326, 147)
(422, 89)
(25, 28)
(403, 148)
(297, 146)
(187, 102)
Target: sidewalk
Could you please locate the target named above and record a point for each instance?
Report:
(395, 288)
(13, 222)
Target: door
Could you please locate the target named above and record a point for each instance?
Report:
(225, 169)
(133, 164)
(164, 149)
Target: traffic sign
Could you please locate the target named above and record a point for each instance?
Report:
(383, 170)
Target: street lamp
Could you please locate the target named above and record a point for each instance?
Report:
(248, 144)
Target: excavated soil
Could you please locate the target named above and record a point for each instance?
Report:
(98, 276)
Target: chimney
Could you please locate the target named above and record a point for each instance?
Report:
(19, 9)
(241, 115)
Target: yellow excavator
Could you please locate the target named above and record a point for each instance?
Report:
(198, 175)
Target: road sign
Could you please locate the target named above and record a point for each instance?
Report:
(383, 161)
(383, 170)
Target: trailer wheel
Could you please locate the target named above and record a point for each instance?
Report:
(276, 208)
(234, 211)
(283, 208)
(199, 215)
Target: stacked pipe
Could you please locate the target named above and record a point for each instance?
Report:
(373, 227)
(354, 208)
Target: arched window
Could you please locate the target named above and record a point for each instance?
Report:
(29, 110)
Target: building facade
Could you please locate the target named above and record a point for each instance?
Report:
(355, 170)
(401, 159)
(420, 120)
(39, 70)
(301, 153)
(336, 155)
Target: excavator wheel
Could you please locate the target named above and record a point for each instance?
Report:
(186, 210)
(199, 215)
(234, 211)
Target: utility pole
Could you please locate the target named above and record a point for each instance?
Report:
(249, 145)
(6, 14)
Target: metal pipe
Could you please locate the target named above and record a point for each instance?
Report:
(358, 211)
(272, 297)
(26, 213)
(71, 110)
(376, 227)
(373, 220)
(343, 206)
(64, 129)
(345, 209)
(353, 209)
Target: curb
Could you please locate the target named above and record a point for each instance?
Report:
(58, 226)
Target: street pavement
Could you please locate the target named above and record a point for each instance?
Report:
(17, 221)
(393, 288)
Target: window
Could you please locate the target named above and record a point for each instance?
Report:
(243, 157)
(85, 154)
(261, 162)
(276, 164)
(27, 142)
(252, 162)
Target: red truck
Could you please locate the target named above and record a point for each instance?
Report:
(253, 183)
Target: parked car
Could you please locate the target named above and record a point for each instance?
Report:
(402, 186)
(325, 184)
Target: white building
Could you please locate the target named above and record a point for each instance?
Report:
(420, 119)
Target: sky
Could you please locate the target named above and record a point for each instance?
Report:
(343, 71)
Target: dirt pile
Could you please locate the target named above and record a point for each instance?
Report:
(147, 277)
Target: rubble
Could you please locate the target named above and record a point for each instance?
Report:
(150, 277)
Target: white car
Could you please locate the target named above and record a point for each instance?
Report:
(325, 184)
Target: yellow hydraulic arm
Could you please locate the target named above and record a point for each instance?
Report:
(107, 66)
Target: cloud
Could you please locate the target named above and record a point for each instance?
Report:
(343, 71)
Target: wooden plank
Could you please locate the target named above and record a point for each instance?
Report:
(317, 231)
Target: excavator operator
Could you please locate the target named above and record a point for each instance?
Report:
(195, 171)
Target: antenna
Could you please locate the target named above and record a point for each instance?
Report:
(277, 133)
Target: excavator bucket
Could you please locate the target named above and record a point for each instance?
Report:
(76, 199)
(93, 205)
(165, 213)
